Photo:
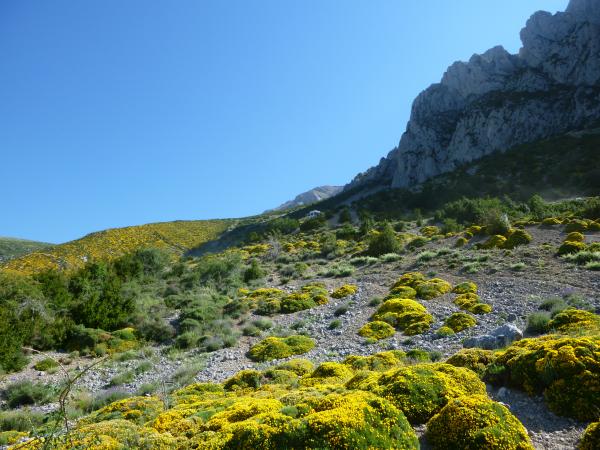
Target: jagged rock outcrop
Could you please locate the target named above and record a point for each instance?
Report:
(314, 195)
(497, 100)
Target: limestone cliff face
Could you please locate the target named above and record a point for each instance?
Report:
(498, 100)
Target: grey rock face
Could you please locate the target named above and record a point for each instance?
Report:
(312, 196)
(500, 337)
(496, 100)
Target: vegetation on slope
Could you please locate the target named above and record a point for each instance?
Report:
(178, 237)
(14, 248)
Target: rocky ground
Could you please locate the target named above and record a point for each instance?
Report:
(514, 294)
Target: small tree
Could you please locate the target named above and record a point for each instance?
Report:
(254, 272)
(384, 242)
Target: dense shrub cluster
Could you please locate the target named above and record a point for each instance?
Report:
(269, 301)
(476, 422)
(564, 369)
(280, 347)
(344, 291)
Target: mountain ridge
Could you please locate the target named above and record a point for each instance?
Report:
(497, 100)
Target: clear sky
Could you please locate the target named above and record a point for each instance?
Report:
(116, 113)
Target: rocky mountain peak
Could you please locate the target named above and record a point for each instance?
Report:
(497, 100)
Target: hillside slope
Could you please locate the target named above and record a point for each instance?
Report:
(177, 236)
(13, 247)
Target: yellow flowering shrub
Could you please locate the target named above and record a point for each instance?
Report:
(467, 287)
(517, 237)
(377, 362)
(404, 314)
(377, 330)
(444, 331)
(575, 236)
(410, 279)
(475, 422)
(574, 320)
(429, 231)
(475, 359)
(591, 437)
(344, 291)
(421, 390)
(11, 437)
(459, 321)
(433, 288)
(134, 409)
(461, 242)
(298, 366)
(576, 225)
(565, 369)
(496, 241)
(403, 292)
(471, 302)
(280, 347)
(328, 373)
(569, 247)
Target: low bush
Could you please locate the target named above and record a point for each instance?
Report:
(27, 392)
(562, 368)
(404, 314)
(538, 322)
(45, 364)
(475, 359)
(569, 247)
(467, 287)
(476, 422)
(377, 330)
(459, 321)
(517, 237)
(344, 291)
(280, 347)
(423, 389)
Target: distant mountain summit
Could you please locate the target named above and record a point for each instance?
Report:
(314, 195)
(497, 100)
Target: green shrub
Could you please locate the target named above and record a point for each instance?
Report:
(384, 242)
(254, 272)
(280, 347)
(377, 330)
(244, 379)
(45, 364)
(444, 331)
(476, 422)
(538, 322)
(27, 392)
(403, 292)
(576, 225)
(20, 420)
(334, 324)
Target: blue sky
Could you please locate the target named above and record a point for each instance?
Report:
(116, 113)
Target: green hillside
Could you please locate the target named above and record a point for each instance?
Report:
(14, 248)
